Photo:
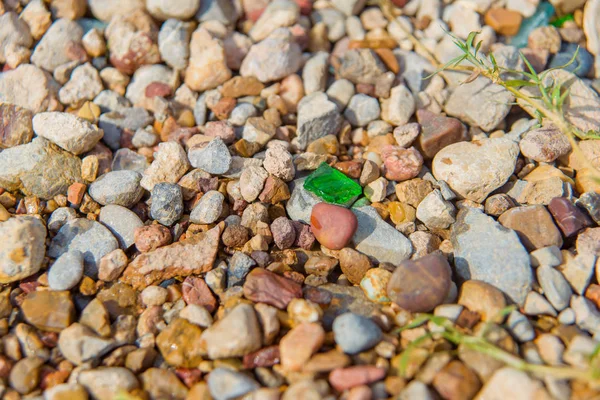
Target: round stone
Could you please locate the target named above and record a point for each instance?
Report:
(355, 333)
(209, 208)
(333, 226)
(67, 271)
(420, 285)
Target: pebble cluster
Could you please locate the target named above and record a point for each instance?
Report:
(246, 199)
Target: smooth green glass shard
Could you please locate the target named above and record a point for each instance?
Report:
(332, 185)
(560, 21)
(541, 18)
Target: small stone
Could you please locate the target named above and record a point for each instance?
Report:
(239, 266)
(235, 235)
(550, 256)
(345, 378)
(401, 164)
(25, 374)
(374, 284)
(483, 298)
(169, 165)
(520, 327)
(258, 130)
(512, 383)
(117, 187)
(197, 315)
(437, 132)
(208, 209)
(361, 110)
(160, 383)
(193, 255)
(333, 226)
(298, 345)
(167, 203)
(163, 10)
(399, 107)
(66, 272)
(569, 218)
(278, 162)
(180, 344)
(84, 84)
(503, 21)
(213, 157)
(225, 384)
(413, 191)
(406, 134)
(94, 43)
(241, 86)
(353, 264)
(536, 304)
(284, 233)
(16, 126)
(376, 190)
(252, 182)
(544, 144)
(435, 212)
(121, 222)
(475, 169)
(154, 296)
(80, 344)
(534, 225)
(53, 49)
(23, 248)
(361, 66)
(28, 87)
(91, 238)
(317, 117)
(376, 238)
(196, 291)
(151, 237)
(456, 381)
(355, 333)
(106, 383)
(273, 58)
(235, 335)
(72, 391)
(555, 286)
(48, 310)
(112, 265)
(587, 242)
(475, 237)
(125, 159)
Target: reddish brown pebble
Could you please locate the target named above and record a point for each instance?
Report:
(222, 129)
(401, 164)
(158, 89)
(151, 237)
(593, 294)
(265, 357)
(283, 232)
(346, 378)
(351, 168)
(299, 344)
(264, 286)
(420, 285)
(196, 291)
(317, 295)
(569, 218)
(304, 236)
(437, 132)
(503, 21)
(456, 381)
(333, 226)
(75, 193)
(235, 236)
(189, 376)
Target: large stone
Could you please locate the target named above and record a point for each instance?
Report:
(89, 237)
(235, 335)
(180, 344)
(120, 188)
(379, 240)
(164, 9)
(194, 255)
(317, 117)
(279, 13)
(85, 84)
(273, 58)
(169, 165)
(484, 250)
(509, 383)
(68, 131)
(207, 66)
(80, 344)
(29, 87)
(122, 222)
(475, 169)
(361, 66)
(48, 310)
(173, 43)
(534, 225)
(56, 44)
(39, 169)
(14, 33)
(15, 126)
(225, 384)
(22, 249)
(480, 103)
(107, 383)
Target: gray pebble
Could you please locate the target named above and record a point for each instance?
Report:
(117, 187)
(213, 158)
(167, 203)
(208, 209)
(550, 256)
(520, 327)
(122, 222)
(555, 286)
(61, 216)
(362, 109)
(225, 384)
(240, 114)
(129, 160)
(67, 271)
(239, 266)
(355, 333)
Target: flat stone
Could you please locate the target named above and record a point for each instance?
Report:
(16, 127)
(456, 380)
(79, 344)
(555, 286)
(235, 335)
(376, 238)
(486, 251)
(420, 285)
(317, 117)
(280, 13)
(534, 225)
(355, 333)
(588, 242)
(120, 188)
(25, 374)
(66, 272)
(239, 266)
(299, 344)
(437, 132)
(357, 375)
(544, 144)
(106, 383)
(29, 87)
(194, 255)
(122, 223)
(48, 310)
(91, 238)
(163, 10)
(225, 384)
(263, 286)
(39, 169)
(23, 248)
(569, 218)
(480, 103)
(475, 169)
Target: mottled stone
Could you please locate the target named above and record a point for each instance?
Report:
(23, 248)
(534, 225)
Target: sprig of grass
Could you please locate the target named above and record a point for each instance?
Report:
(548, 105)
(480, 344)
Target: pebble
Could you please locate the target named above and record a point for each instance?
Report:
(122, 223)
(503, 21)
(361, 66)
(107, 383)
(475, 238)
(299, 344)
(354, 265)
(112, 265)
(483, 298)
(456, 380)
(317, 117)
(66, 272)
(278, 162)
(284, 233)
(84, 84)
(53, 49)
(555, 286)
(208, 209)
(374, 284)
(534, 225)
(120, 188)
(536, 304)
(207, 64)
(169, 165)
(340, 92)
(520, 327)
(114, 124)
(345, 378)
(59, 217)
(252, 182)
(569, 218)
(550, 256)
(399, 107)
(235, 335)
(333, 226)
(376, 238)
(361, 110)
(354, 333)
(19, 130)
(512, 383)
(258, 130)
(435, 212)
(173, 43)
(214, 157)
(163, 10)
(167, 203)
(154, 296)
(544, 144)
(25, 374)
(180, 343)
(160, 383)
(22, 251)
(225, 384)
(91, 238)
(437, 132)
(401, 164)
(197, 314)
(48, 310)
(29, 87)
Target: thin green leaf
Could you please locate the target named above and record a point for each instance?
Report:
(405, 356)
(563, 97)
(452, 63)
(494, 63)
(571, 61)
(528, 64)
(517, 83)
(556, 94)
(418, 321)
(470, 39)
(478, 46)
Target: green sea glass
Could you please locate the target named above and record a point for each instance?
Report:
(542, 17)
(560, 21)
(332, 185)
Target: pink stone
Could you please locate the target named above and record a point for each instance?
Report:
(333, 226)
(401, 164)
(346, 378)
(299, 344)
(196, 291)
